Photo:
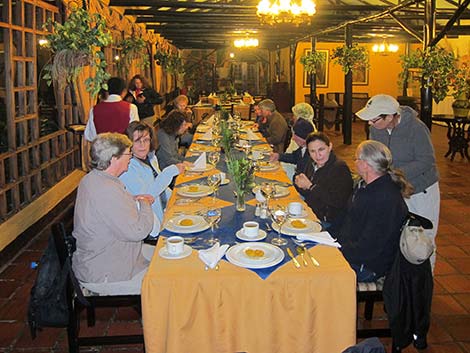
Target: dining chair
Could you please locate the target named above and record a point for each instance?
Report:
(77, 301)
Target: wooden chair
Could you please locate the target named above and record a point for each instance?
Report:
(76, 303)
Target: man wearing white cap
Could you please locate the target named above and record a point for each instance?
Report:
(409, 139)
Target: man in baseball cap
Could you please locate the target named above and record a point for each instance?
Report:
(409, 139)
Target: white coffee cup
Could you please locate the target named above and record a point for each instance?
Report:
(250, 229)
(175, 245)
(295, 208)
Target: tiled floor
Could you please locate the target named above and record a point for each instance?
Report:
(450, 328)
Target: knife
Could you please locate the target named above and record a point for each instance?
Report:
(314, 261)
(296, 263)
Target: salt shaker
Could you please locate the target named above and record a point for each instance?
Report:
(258, 209)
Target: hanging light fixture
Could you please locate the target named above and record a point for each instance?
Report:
(385, 47)
(246, 43)
(286, 11)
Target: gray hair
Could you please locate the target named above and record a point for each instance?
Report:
(106, 146)
(267, 104)
(379, 157)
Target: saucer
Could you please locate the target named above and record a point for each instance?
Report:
(163, 252)
(225, 182)
(241, 235)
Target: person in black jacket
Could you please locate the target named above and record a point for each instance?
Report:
(326, 182)
(143, 96)
(370, 231)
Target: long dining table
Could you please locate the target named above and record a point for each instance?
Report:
(187, 308)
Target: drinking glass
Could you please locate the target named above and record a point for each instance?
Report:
(214, 181)
(213, 217)
(279, 216)
(213, 158)
(268, 191)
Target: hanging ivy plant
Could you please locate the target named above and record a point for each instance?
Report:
(351, 58)
(132, 49)
(75, 44)
(437, 67)
(311, 61)
(171, 63)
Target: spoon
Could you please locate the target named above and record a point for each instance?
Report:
(301, 251)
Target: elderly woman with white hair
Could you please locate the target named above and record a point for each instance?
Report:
(370, 231)
(300, 111)
(110, 223)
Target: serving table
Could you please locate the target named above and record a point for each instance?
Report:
(458, 133)
(187, 308)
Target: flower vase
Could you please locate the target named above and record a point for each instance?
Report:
(240, 201)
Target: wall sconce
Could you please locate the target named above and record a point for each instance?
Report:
(246, 43)
(384, 48)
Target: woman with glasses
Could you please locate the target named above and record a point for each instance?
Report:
(110, 223)
(144, 175)
(326, 182)
(370, 231)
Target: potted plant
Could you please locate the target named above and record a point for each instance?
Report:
(75, 44)
(351, 58)
(131, 49)
(435, 67)
(242, 173)
(311, 61)
(461, 88)
(172, 63)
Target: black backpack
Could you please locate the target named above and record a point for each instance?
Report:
(48, 305)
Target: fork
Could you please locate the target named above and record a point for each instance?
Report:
(268, 227)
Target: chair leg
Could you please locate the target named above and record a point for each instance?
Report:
(369, 309)
(73, 330)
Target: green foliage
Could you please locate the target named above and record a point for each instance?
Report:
(461, 82)
(172, 63)
(438, 68)
(75, 44)
(351, 58)
(133, 48)
(227, 137)
(311, 61)
(242, 172)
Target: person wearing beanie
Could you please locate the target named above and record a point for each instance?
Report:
(409, 140)
(302, 128)
(326, 182)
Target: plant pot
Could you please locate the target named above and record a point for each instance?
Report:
(461, 108)
(240, 201)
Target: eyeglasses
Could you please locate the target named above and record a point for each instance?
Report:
(142, 141)
(128, 154)
(373, 121)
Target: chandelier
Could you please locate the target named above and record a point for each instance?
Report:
(384, 48)
(286, 11)
(246, 43)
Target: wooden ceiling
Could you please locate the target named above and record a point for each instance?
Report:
(191, 24)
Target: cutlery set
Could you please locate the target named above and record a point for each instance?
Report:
(302, 251)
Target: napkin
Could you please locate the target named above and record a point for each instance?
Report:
(207, 135)
(251, 135)
(259, 196)
(212, 256)
(210, 121)
(323, 238)
(201, 162)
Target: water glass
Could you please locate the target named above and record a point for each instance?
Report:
(279, 216)
(213, 217)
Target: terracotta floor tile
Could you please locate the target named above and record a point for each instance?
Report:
(125, 328)
(446, 305)
(447, 348)
(48, 337)
(444, 268)
(438, 288)
(437, 332)
(443, 239)
(455, 283)
(462, 265)
(28, 256)
(465, 346)
(19, 272)
(126, 314)
(457, 326)
(7, 287)
(15, 309)
(446, 229)
(464, 226)
(464, 300)
(451, 251)
(10, 332)
(459, 239)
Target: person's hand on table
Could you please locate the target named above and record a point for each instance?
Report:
(303, 182)
(181, 167)
(145, 198)
(273, 157)
(187, 164)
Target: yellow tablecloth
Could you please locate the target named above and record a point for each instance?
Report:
(187, 309)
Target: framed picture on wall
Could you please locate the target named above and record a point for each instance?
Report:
(360, 76)
(322, 70)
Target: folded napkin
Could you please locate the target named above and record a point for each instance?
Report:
(207, 135)
(251, 135)
(212, 256)
(323, 238)
(259, 196)
(210, 121)
(201, 162)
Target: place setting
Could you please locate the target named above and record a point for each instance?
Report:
(200, 165)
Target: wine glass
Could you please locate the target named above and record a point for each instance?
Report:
(214, 181)
(279, 216)
(268, 191)
(213, 217)
(213, 158)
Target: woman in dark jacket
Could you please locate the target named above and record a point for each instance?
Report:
(143, 96)
(326, 183)
(370, 231)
